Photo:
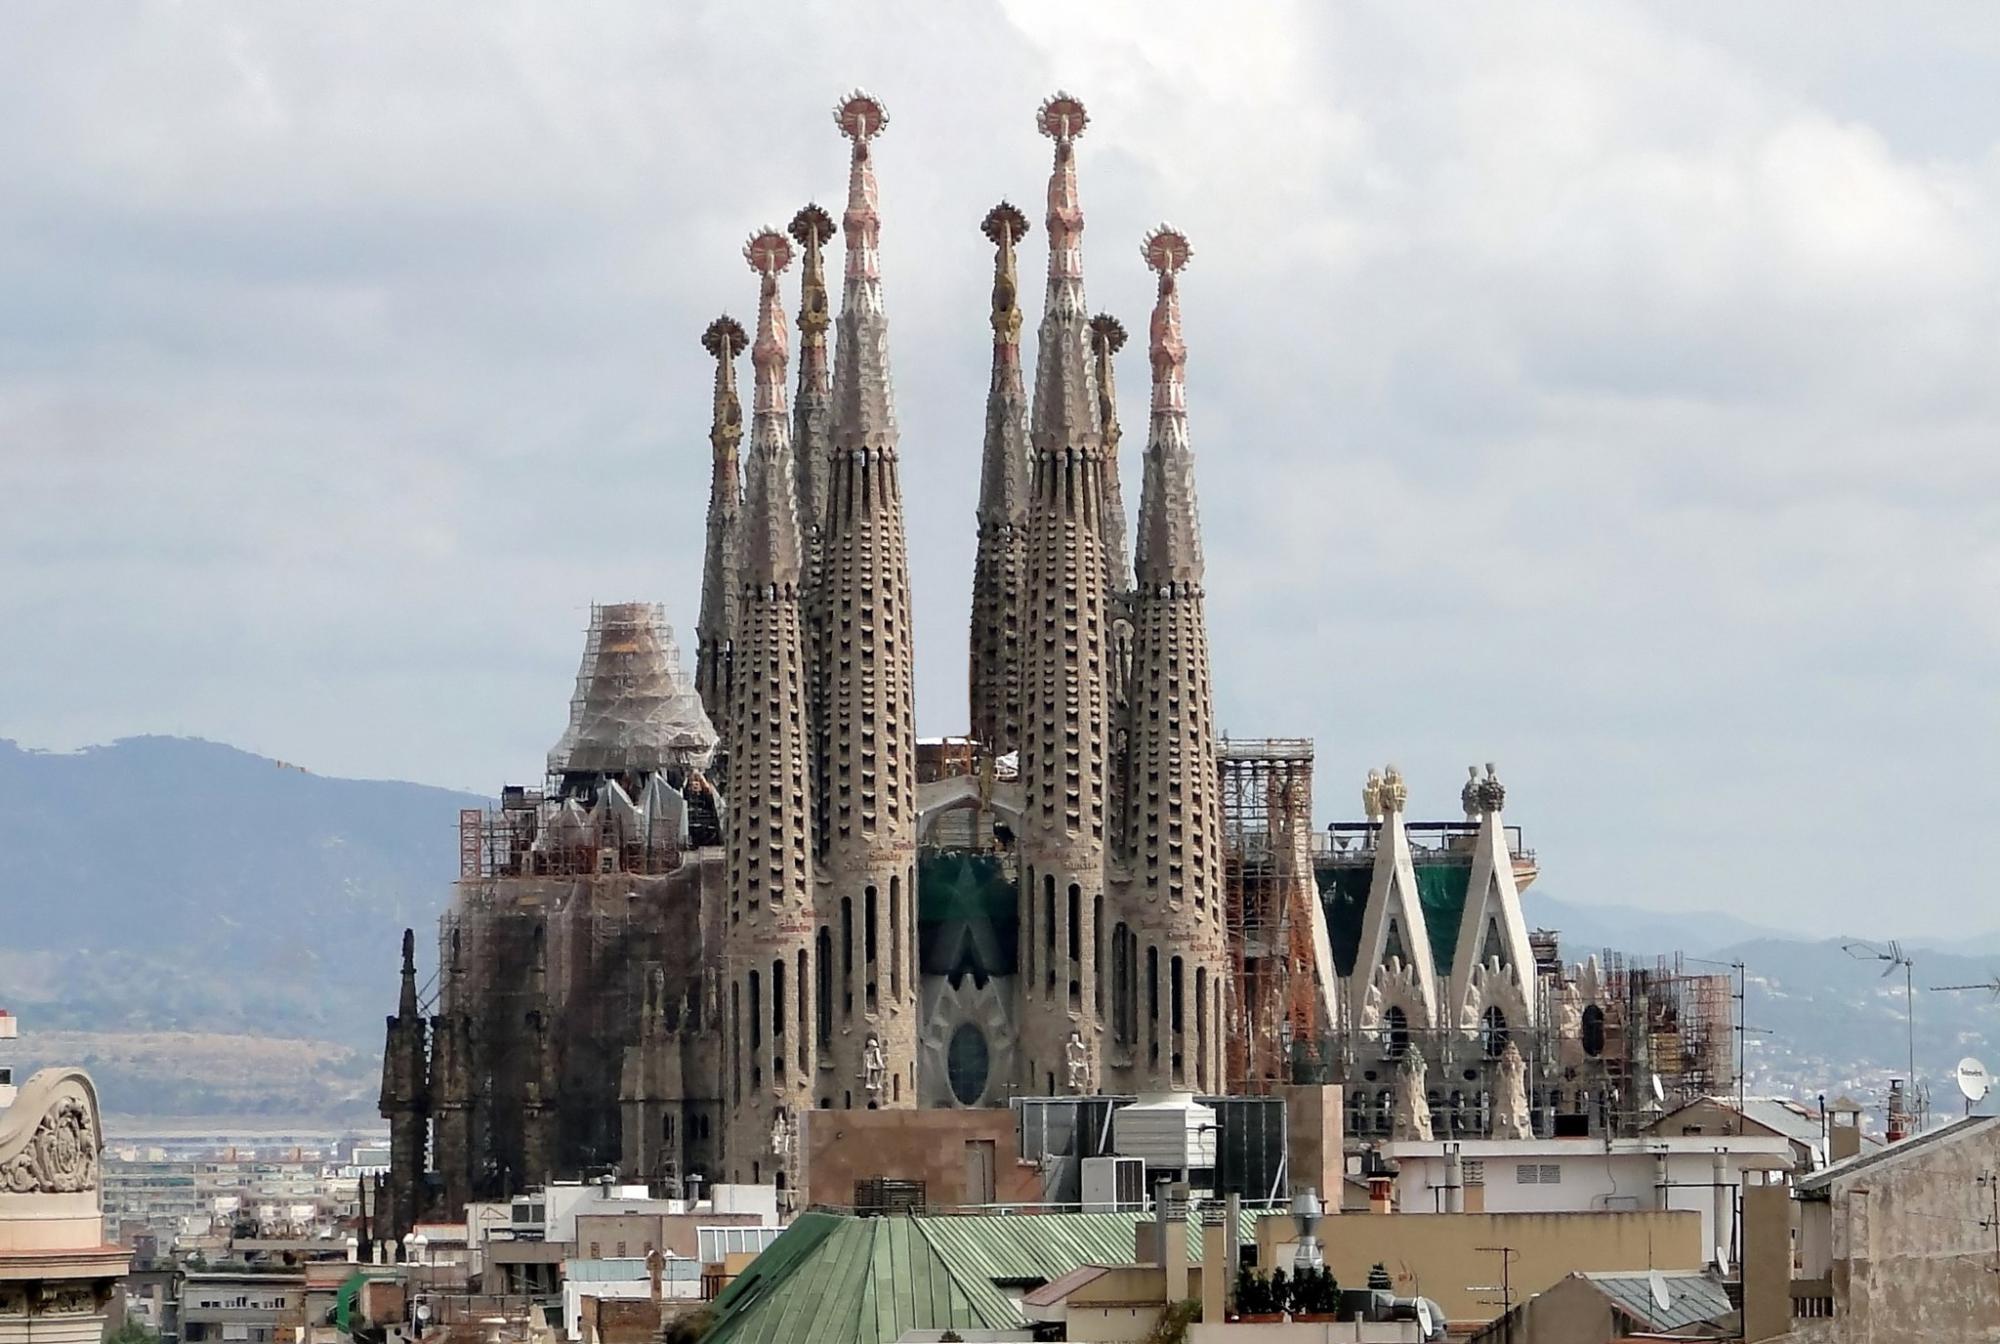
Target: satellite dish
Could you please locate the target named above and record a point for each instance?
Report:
(1973, 1079)
(1659, 1288)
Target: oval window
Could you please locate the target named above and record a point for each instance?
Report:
(966, 1062)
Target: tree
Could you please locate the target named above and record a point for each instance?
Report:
(1252, 1297)
(130, 1331)
(1378, 1278)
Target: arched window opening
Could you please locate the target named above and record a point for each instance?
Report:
(1593, 1031)
(1493, 1032)
(1395, 1032)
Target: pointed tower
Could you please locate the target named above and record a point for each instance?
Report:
(1395, 978)
(812, 411)
(997, 568)
(405, 1101)
(716, 631)
(768, 1014)
(1174, 908)
(451, 1084)
(1107, 338)
(1065, 725)
(867, 799)
(1492, 965)
(812, 449)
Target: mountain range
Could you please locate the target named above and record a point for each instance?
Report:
(215, 934)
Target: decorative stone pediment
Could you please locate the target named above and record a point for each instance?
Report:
(1395, 985)
(1493, 984)
(50, 1138)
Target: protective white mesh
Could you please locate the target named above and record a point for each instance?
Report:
(634, 709)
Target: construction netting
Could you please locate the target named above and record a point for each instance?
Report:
(634, 708)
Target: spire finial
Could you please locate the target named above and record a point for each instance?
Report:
(861, 117)
(769, 255)
(1005, 225)
(811, 227)
(1062, 118)
(1167, 253)
(724, 339)
(771, 529)
(406, 1005)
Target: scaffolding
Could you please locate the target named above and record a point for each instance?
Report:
(1668, 1032)
(1267, 834)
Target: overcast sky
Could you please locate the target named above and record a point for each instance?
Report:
(1600, 389)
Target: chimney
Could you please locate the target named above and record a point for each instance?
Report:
(1454, 1180)
(1381, 1194)
(1767, 1260)
(1170, 1238)
(1218, 1260)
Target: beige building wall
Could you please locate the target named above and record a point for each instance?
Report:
(1910, 1258)
(948, 1150)
(1440, 1255)
(600, 1235)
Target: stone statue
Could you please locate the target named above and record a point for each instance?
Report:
(1371, 796)
(1394, 793)
(1492, 793)
(781, 1135)
(874, 1068)
(1412, 1118)
(1510, 1100)
(1468, 797)
(1077, 1060)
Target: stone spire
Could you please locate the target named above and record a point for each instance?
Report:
(812, 441)
(867, 799)
(812, 410)
(997, 570)
(1107, 338)
(1173, 828)
(1064, 720)
(405, 1100)
(769, 933)
(716, 630)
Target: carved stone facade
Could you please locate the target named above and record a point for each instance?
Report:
(57, 1276)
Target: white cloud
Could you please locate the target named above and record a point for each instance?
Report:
(1603, 389)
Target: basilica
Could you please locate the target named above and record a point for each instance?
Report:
(751, 890)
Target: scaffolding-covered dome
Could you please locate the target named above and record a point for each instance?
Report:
(634, 709)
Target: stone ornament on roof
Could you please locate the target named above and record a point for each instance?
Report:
(50, 1137)
(1395, 794)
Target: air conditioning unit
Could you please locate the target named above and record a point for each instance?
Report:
(1114, 1185)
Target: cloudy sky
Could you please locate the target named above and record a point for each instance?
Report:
(1602, 389)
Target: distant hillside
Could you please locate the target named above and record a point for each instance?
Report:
(1820, 1018)
(165, 885)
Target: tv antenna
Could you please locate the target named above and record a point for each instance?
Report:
(1990, 986)
(1892, 953)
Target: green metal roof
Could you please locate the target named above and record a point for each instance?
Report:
(867, 1280)
(846, 1281)
(1441, 891)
